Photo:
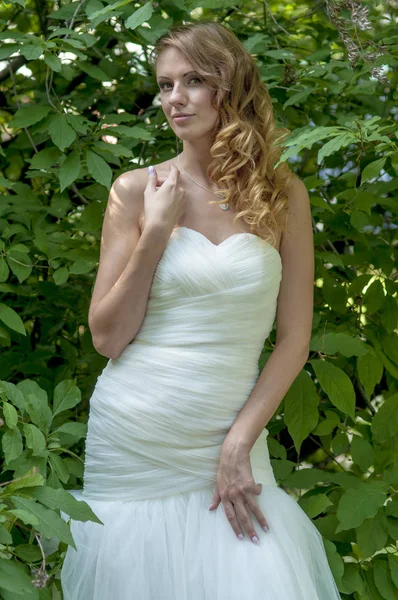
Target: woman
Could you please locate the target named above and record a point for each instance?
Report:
(185, 296)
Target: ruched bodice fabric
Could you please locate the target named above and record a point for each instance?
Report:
(191, 366)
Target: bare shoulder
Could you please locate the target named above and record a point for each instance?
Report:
(297, 195)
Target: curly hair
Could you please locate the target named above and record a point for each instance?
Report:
(244, 149)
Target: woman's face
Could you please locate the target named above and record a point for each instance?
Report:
(182, 91)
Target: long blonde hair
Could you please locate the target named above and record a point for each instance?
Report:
(244, 149)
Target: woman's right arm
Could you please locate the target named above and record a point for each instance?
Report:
(128, 260)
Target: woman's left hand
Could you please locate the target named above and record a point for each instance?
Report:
(235, 489)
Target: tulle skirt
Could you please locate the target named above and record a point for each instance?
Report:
(174, 548)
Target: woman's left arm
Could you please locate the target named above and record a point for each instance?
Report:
(293, 323)
(235, 483)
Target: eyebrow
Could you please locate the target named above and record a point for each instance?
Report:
(185, 74)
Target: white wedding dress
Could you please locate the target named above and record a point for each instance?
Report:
(158, 416)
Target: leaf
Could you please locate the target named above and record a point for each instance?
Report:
(61, 275)
(370, 371)
(337, 386)
(66, 395)
(372, 169)
(62, 134)
(65, 501)
(383, 581)
(39, 411)
(13, 577)
(29, 479)
(59, 467)
(11, 319)
(140, 16)
(73, 429)
(360, 503)
(25, 516)
(301, 408)
(35, 439)
(385, 422)
(361, 453)
(4, 270)
(10, 415)
(19, 263)
(314, 505)
(372, 535)
(70, 169)
(53, 62)
(50, 524)
(12, 444)
(45, 158)
(99, 168)
(29, 114)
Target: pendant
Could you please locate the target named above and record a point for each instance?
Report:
(224, 206)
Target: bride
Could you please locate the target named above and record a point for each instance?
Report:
(197, 259)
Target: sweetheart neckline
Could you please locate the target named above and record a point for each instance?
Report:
(239, 233)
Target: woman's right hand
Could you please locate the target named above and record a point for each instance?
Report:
(164, 206)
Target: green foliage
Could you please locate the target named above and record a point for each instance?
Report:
(78, 109)
(37, 440)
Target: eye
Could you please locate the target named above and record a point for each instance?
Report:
(162, 85)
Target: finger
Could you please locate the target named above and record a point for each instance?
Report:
(256, 510)
(244, 518)
(230, 513)
(216, 500)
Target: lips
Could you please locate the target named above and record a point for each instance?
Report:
(176, 116)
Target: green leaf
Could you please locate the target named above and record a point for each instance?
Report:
(14, 578)
(35, 439)
(28, 553)
(337, 385)
(29, 479)
(19, 263)
(62, 134)
(370, 371)
(61, 275)
(59, 467)
(10, 415)
(361, 453)
(360, 503)
(73, 429)
(70, 169)
(99, 169)
(4, 270)
(65, 501)
(383, 580)
(372, 535)
(373, 169)
(374, 297)
(301, 408)
(66, 395)
(25, 516)
(45, 158)
(385, 421)
(29, 114)
(314, 505)
(12, 444)
(53, 62)
(39, 411)
(140, 16)
(50, 524)
(11, 319)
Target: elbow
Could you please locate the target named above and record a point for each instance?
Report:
(106, 348)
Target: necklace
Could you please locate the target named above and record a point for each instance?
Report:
(224, 206)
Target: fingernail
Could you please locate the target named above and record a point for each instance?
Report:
(151, 170)
(240, 536)
(210, 506)
(255, 539)
(266, 528)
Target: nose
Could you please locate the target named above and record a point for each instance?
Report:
(177, 95)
